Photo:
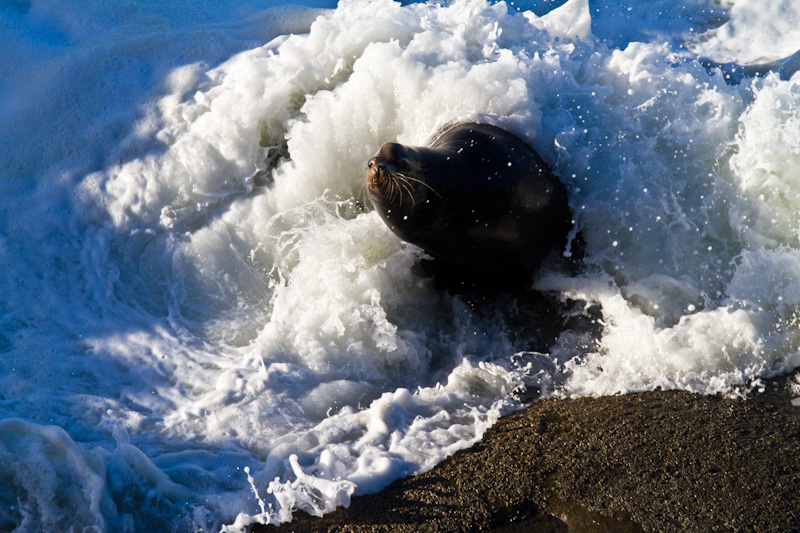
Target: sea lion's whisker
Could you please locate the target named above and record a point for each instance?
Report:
(407, 187)
(397, 182)
(346, 190)
(409, 178)
(391, 185)
(399, 188)
(362, 191)
(393, 191)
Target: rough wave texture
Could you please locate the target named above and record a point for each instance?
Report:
(201, 326)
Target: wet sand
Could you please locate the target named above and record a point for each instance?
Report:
(656, 461)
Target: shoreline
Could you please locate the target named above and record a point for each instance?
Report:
(652, 461)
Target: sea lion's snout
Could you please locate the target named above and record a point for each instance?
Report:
(376, 176)
(389, 160)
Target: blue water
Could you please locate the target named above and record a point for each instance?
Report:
(199, 326)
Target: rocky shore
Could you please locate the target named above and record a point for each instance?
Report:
(656, 461)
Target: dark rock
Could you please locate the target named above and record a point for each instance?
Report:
(656, 461)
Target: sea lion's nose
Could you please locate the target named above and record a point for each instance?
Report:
(374, 166)
(374, 174)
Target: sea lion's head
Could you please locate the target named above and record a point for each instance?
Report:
(390, 176)
(396, 183)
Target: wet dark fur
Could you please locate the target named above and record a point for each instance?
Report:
(479, 200)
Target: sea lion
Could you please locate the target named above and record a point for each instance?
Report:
(478, 199)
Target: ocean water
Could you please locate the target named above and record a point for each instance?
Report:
(203, 327)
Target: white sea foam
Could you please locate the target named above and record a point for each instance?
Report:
(755, 32)
(202, 326)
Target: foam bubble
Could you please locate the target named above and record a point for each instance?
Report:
(226, 330)
(47, 477)
(765, 184)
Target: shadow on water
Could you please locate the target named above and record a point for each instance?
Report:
(531, 322)
(735, 73)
